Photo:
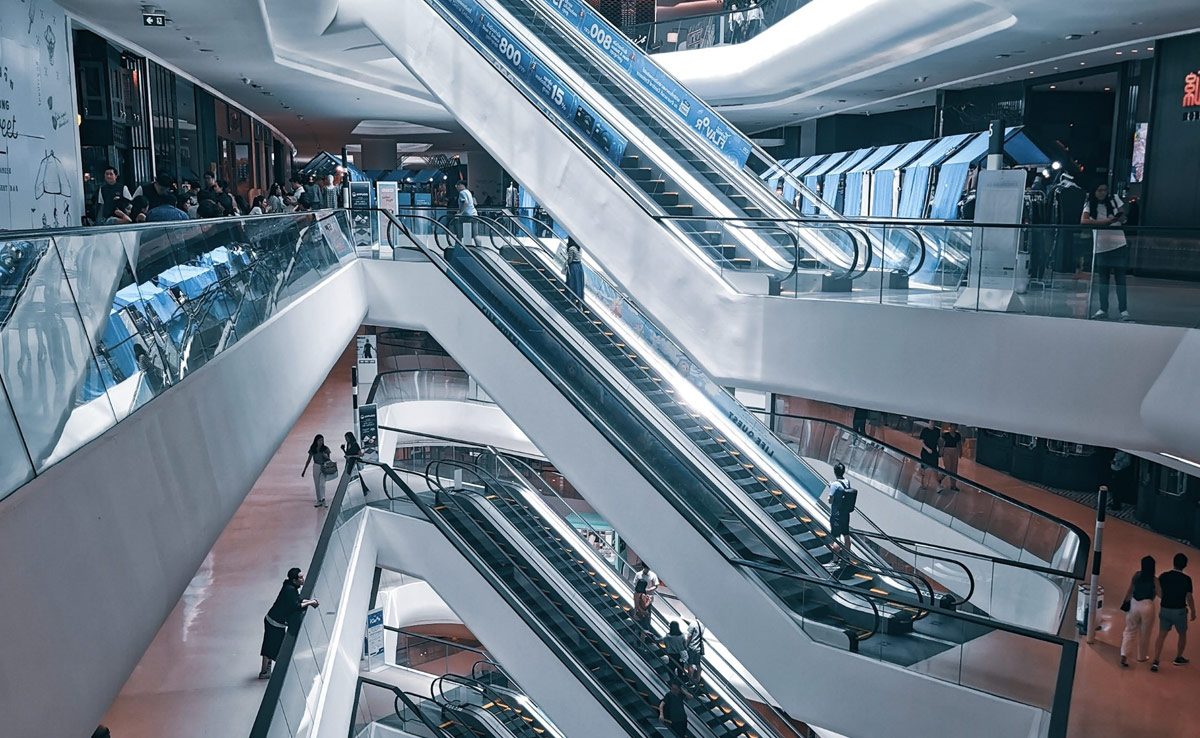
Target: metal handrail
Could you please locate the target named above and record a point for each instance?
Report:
(405, 697)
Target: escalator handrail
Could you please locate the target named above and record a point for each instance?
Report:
(781, 550)
(1081, 557)
(435, 639)
(501, 587)
(402, 696)
(379, 381)
(903, 545)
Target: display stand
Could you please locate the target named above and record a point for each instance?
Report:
(995, 254)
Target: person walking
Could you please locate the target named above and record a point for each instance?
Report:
(318, 456)
(1110, 250)
(841, 504)
(1176, 609)
(354, 465)
(279, 618)
(672, 709)
(1138, 605)
(641, 610)
(952, 452)
(931, 449)
(575, 279)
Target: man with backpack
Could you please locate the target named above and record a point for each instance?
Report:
(695, 650)
(842, 498)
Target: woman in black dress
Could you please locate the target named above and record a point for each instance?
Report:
(287, 606)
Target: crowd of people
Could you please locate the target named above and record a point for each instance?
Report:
(164, 199)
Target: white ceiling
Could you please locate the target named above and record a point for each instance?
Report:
(318, 73)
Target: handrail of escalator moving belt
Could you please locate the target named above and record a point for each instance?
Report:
(501, 587)
(666, 116)
(904, 546)
(403, 697)
(726, 697)
(924, 250)
(685, 510)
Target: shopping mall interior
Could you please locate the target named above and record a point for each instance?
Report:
(527, 368)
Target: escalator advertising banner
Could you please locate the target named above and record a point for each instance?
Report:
(599, 33)
(522, 64)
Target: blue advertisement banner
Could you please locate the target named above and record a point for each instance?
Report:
(522, 64)
(598, 32)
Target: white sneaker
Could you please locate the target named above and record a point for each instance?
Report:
(1125, 316)
(1099, 314)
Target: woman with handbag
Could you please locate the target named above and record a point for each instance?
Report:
(1138, 605)
(318, 456)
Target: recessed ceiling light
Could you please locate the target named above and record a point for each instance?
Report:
(1106, 89)
(1073, 37)
(1032, 72)
(1149, 48)
(1119, 53)
(1003, 56)
(1083, 64)
(1056, 69)
(1131, 51)
(1054, 87)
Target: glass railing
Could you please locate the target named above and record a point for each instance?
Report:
(390, 707)
(701, 31)
(411, 385)
(96, 322)
(304, 662)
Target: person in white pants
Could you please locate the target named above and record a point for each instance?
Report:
(1140, 611)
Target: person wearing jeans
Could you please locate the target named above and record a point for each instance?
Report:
(1111, 255)
(1140, 611)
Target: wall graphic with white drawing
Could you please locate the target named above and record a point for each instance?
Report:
(40, 180)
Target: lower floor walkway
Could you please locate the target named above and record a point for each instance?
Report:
(198, 678)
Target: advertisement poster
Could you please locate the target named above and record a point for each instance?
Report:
(387, 195)
(1139, 152)
(373, 642)
(362, 225)
(599, 33)
(368, 432)
(519, 62)
(367, 364)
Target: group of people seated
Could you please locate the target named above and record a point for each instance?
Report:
(164, 200)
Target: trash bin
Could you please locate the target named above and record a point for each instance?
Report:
(1081, 606)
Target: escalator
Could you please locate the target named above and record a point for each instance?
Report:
(697, 450)
(477, 708)
(592, 624)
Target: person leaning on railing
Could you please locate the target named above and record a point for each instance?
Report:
(282, 614)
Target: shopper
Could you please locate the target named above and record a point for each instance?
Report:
(676, 647)
(209, 188)
(952, 452)
(642, 603)
(354, 465)
(275, 199)
(207, 207)
(318, 456)
(1176, 609)
(841, 504)
(121, 214)
(108, 194)
(260, 206)
(860, 421)
(695, 648)
(1110, 251)
(1118, 481)
(672, 709)
(466, 211)
(649, 577)
(295, 194)
(224, 199)
(164, 209)
(141, 205)
(280, 617)
(575, 279)
(1138, 605)
(931, 449)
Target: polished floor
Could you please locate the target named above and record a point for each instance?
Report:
(197, 679)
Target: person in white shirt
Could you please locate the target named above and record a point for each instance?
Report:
(1111, 250)
(695, 649)
(650, 578)
(466, 210)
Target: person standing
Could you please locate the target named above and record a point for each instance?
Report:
(318, 456)
(575, 279)
(1111, 252)
(1176, 609)
(931, 449)
(677, 650)
(1138, 605)
(952, 452)
(860, 421)
(695, 650)
(841, 505)
(353, 452)
(280, 617)
(466, 209)
(641, 610)
(649, 577)
(275, 198)
(672, 710)
(108, 194)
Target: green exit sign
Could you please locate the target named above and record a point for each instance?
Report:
(157, 20)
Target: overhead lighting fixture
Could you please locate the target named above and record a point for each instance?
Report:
(1121, 52)
(1131, 51)
(1003, 56)
(1031, 71)
(1073, 37)
(1180, 459)
(1149, 48)
(1056, 166)
(1083, 64)
(1046, 174)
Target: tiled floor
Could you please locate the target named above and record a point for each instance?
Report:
(198, 677)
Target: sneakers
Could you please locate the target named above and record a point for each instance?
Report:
(1124, 316)
(1154, 666)
(1180, 661)
(1099, 314)
(264, 674)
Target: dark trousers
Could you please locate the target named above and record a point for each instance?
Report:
(575, 281)
(1115, 263)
